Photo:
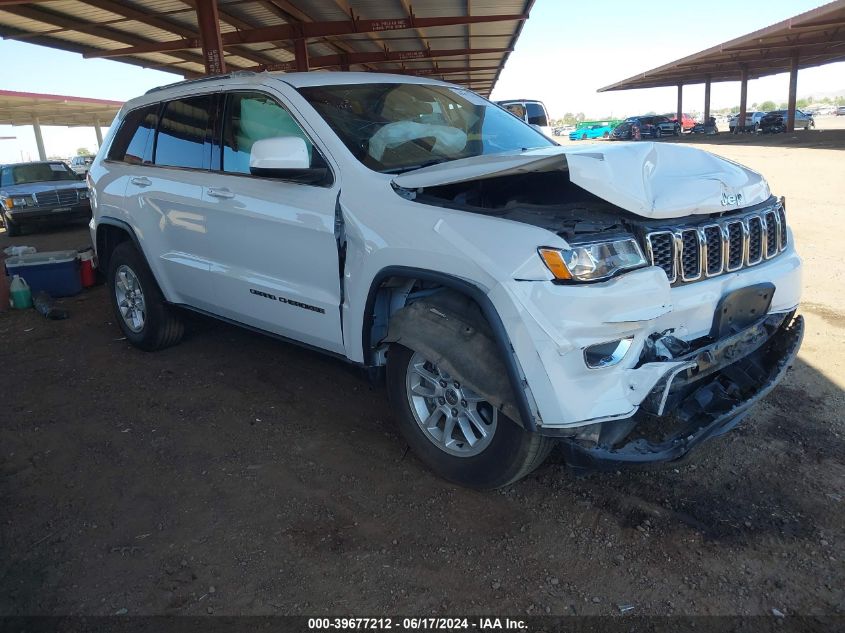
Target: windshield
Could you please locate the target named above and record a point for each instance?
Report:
(35, 172)
(393, 128)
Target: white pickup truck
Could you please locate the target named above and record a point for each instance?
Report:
(627, 301)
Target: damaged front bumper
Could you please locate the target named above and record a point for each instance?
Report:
(704, 396)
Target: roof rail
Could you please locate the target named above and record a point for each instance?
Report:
(236, 73)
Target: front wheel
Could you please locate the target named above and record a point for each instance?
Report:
(141, 311)
(12, 229)
(454, 431)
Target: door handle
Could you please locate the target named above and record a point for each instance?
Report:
(220, 192)
(141, 181)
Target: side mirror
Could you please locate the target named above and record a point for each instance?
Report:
(285, 157)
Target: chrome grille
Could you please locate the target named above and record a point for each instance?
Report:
(56, 197)
(691, 253)
(755, 240)
(715, 251)
(772, 234)
(735, 245)
(661, 249)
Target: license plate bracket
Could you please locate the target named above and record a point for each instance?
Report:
(740, 308)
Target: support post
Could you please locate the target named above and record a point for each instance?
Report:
(300, 49)
(793, 92)
(706, 100)
(743, 98)
(39, 140)
(99, 132)
(681, 106)
(212, 44)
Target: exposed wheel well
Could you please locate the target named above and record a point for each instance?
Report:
(108, 237)
(395, 288)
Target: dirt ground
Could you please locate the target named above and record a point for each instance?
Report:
(234, 474)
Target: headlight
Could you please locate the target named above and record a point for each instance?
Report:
(83, 194)
(22, 201)
(594, 261)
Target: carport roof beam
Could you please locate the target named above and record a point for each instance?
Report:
(304, 30)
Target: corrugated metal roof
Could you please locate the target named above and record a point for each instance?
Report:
(23, 108)
(809, 39)
(95, 27)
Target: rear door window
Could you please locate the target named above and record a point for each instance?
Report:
(133, 141)
(537, 114)
(251, 117)
(185, 132)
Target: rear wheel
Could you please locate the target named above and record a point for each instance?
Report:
(454, 431)
(141, 311)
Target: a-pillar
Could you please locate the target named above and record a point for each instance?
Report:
(208, 21)
(39, 140)
(300, 49)
(99, 132)
(743, 98)
(793, 91)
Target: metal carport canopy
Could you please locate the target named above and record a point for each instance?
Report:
(809, 39)
(463, 41)
(36, 109)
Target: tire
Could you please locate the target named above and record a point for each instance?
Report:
(150, 323)
(508, 453)
(583, 137)
(606, 135)
(12, 229)
(658, 132)
(677, 130)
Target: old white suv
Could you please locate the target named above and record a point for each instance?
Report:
(625, 301)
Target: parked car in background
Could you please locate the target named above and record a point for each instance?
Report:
(515, 294)
(687, 120)
(591, 130)
(752, 120)
(803, 121)
(40, 193)
(80, 164)
(840, 111)
(533, 112)
(775, 121)
(711, 127)
(647, 126)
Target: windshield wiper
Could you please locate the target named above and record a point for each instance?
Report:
(428, 163)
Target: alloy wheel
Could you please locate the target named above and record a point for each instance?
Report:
(130, 298)
(451, 416)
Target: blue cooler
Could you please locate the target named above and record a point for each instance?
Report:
(54, 272)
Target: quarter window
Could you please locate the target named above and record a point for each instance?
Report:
(132, 143)
(184, 133)
(252, 117)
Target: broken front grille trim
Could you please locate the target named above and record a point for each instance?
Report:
(744, 242)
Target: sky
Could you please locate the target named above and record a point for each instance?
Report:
(565, 53)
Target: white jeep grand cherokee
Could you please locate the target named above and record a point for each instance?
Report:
(626, 301)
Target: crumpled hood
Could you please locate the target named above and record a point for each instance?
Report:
(653, 180)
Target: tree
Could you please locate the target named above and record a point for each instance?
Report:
(83, 151)
(569, 119)
(766, 106)
(803, 103)
(580, 117)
